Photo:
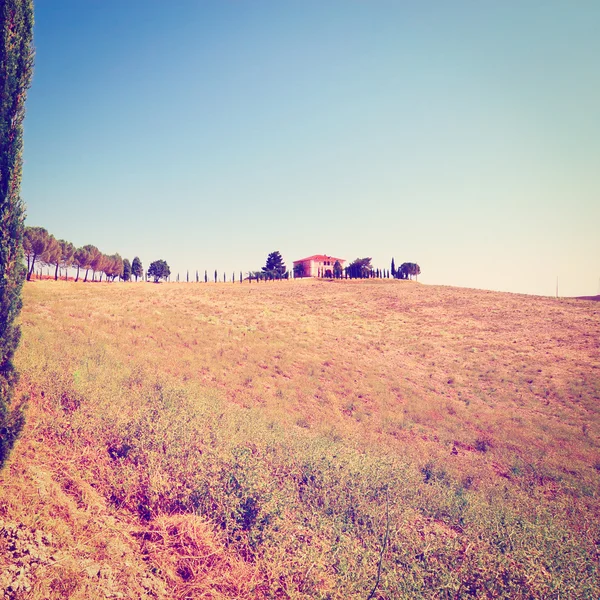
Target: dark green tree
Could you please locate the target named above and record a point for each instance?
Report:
(241, 278)
(337, 269)
(360, 268)
(136, 268)
(299, 270)
(159, 269)
(393, 267)
(16, 68)
(274, 267)
(205, 276)
(197, 278)
(216, 276)
(126, 274)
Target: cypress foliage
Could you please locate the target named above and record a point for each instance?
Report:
(16, 68)
(205, 276)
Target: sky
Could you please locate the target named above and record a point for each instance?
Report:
(464, 135)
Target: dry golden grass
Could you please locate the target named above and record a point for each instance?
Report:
(240, 441)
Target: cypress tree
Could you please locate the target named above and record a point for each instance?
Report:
(241, 278)
(216, 276)
(136, 268)
(205, 276)
(16, 68)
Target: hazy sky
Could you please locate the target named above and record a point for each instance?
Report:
(464, 136)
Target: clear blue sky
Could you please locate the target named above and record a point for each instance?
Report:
(464, 136)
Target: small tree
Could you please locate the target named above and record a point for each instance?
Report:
(216, 276)
(159, 269)
(136, 268)
(241, 278)
(337, 269)
(299, 270)
(205, 276)
(393, 267)
(126, 274)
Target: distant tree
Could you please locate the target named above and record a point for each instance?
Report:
(205, 276)
(408, 271)
(67, 251)
(90, 254)
(79, 260)
(241, 278)
(337, 269)
(126, 274)
(36, 241)
(393, 267)
(197, 278)
(159, 269)
(177, 278)
(299, 270)
(112, 266)
(51, 257)
(274, 267)
(360, 268)
(136, 268)
(16, 66)
(224, 277)
(187, 276)
(216, 276)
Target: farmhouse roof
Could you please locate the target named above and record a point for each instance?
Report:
(319, 257)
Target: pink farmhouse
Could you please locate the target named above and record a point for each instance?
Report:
(319, 265)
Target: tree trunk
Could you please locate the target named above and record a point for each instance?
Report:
(77, 278)
(56, 273)
(30, 273)
(86, 274)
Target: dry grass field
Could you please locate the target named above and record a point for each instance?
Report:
(304, 439)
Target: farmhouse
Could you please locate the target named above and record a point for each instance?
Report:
(318, 265)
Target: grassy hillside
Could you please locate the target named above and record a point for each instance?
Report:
(293, 439)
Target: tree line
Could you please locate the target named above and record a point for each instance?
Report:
(41, 247)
